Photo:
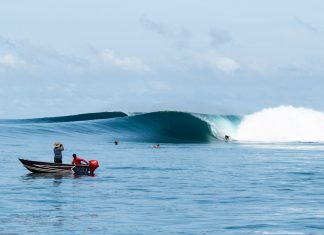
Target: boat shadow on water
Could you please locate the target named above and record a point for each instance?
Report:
(31, 176)
(57, 178)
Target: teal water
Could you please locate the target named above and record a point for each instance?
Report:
(208, 187)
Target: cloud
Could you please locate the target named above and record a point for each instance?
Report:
(307, 25)
(124, 62)
(155, 27)
(23, 52)
(4, 42)
(178, 36)
(9, 60)
(219, 36)
(291, 69)
(42, 58)
(225, 64)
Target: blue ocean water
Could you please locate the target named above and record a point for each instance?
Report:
(194, 184)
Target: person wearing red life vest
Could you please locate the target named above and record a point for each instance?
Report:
(78, 160)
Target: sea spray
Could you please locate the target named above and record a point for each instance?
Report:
(282, 124)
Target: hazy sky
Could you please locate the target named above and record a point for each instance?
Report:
(222, 57)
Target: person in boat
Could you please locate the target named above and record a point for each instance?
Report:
(77, 160)
(58, 148)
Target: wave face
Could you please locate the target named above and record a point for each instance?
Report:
(280, 124)
(168, 127)
(155, 127)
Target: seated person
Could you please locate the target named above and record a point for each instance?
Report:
(77, 160)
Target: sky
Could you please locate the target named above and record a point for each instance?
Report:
(217, 57)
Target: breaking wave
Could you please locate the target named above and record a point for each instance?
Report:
(280, 124)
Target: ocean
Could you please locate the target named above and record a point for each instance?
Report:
(266, 180)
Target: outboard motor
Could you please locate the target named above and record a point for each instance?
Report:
(93, 165)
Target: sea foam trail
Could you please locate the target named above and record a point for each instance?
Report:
(282, 124)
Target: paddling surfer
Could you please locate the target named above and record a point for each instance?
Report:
(58, 148)
(78, 160)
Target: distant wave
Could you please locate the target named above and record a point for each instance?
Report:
(280, 124)
(71, 118)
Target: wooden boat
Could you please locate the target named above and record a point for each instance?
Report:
(54, 168)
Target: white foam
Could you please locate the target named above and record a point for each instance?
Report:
(282, 124)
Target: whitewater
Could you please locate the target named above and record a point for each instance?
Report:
(279, 124)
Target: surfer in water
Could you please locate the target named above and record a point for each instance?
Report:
(116, 142)
(157, 146)
(226, 138)
(58, 148)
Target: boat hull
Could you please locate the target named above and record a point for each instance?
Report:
(54, 168)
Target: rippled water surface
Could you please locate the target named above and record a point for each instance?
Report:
(216, 188)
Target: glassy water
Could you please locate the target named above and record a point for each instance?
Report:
(211, 188)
